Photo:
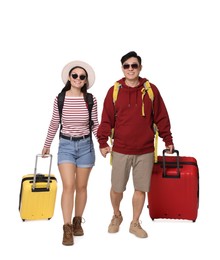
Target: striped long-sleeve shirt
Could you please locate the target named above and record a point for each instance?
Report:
(75, 119)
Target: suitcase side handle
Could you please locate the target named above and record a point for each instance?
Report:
(165, 175)
(35, 169)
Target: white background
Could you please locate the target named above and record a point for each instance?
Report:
(179, 44)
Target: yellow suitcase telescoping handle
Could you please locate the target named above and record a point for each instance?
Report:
(35, 170)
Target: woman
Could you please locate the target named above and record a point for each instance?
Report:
(76, 155)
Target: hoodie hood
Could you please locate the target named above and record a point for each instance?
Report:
(133, 90)
(141, 82)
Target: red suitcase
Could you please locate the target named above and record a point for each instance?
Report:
(174, 190)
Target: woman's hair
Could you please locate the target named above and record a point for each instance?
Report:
(68, 85)
(131, 54)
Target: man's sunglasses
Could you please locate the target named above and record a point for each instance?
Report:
(75, 76)
(133, 66)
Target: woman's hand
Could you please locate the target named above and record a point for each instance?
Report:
(45, 151)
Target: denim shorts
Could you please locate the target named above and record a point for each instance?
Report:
(80, 152)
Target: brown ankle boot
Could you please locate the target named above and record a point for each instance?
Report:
(77, 229)
(68, 235)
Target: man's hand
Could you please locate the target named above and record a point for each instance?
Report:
(170, 149)
(105, 151)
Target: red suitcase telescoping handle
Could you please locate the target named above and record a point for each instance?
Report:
(174, 165)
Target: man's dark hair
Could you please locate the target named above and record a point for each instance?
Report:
(129, 55)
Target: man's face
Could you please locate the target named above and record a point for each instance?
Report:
(131, 68)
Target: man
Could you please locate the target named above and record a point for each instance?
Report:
(132, 116)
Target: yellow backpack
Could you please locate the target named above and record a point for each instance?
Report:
(146, 89)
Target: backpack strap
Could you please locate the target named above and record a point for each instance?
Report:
(148, 89)
(89, 102)
(116, 88)
(60, 100)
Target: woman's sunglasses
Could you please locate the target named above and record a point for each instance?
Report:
(133, 66)
(75, 76)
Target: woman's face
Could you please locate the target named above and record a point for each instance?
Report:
(77, 78)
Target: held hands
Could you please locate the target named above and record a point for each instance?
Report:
(105, 151)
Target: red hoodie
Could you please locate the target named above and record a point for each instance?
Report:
(133, 132)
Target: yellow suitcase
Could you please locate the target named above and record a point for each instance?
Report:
(38, 194)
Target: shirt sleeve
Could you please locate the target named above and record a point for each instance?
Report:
(161, 118)
(54, 125)
(107, 120)
(95, 117)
